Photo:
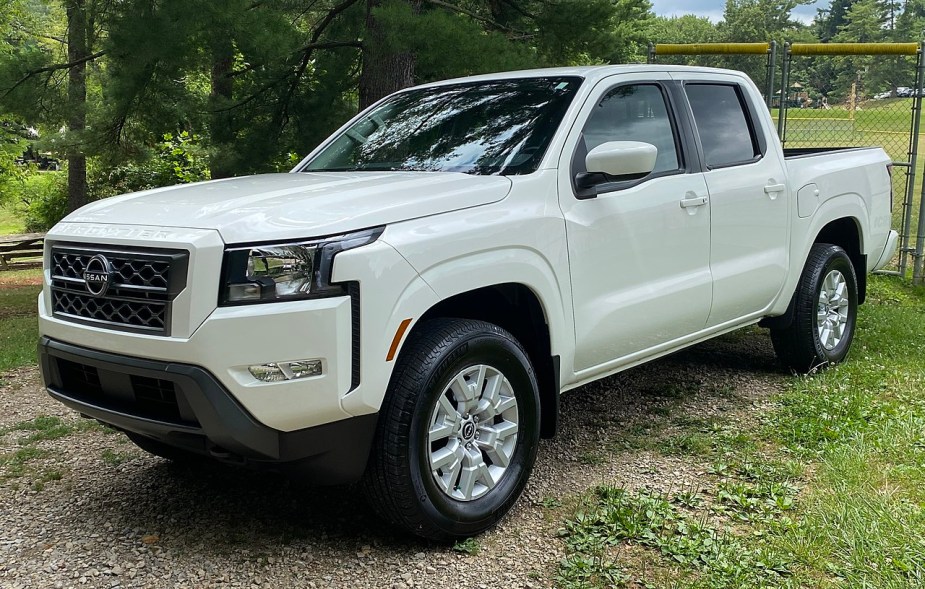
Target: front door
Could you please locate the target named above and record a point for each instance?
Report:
(639, 251)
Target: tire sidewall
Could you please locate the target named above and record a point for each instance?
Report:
(837, 260)
(459, 518)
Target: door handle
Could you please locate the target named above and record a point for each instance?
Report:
(773, 190)
(698, 201)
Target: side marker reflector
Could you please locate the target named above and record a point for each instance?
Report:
(397, 339)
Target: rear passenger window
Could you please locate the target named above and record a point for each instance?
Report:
(722, 121)
(633, 113)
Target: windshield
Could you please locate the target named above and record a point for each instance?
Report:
(495, 127)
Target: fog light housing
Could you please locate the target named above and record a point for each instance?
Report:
(282, 371)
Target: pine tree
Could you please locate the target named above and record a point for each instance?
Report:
(256, 81)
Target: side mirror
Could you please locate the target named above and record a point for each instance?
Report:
(624, 160)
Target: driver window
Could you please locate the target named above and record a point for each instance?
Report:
(631, 113)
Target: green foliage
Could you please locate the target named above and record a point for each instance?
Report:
(11, 147)
(758, 21)
(260, 81)
(44, 197)
(177, 159)
(683, 29)
(715, 556)
(468, 546)
(612, 31)
(448, 44)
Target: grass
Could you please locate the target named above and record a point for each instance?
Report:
(25, 460)
(115, 458)
(18, 326)
(826, 490)
(10, 222)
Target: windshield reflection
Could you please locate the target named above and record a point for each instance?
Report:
(494, 127)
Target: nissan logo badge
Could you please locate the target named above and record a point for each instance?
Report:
(98, 275)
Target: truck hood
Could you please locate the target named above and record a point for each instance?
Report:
(297, 205)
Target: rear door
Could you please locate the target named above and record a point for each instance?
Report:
(638, 250)
(749, 199)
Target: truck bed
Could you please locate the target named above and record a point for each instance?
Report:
(800, 152)
(819, 175)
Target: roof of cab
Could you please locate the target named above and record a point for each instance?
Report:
(590, 73)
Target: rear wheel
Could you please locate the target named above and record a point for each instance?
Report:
(458, 430)
(825, 312)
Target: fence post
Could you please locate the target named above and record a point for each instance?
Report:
(772, 63)
(909, 197)
(782, 108)
(917, 257)
(651, 55)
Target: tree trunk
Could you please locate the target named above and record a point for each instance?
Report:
(77, 50)
(221, 96)
(384, 71)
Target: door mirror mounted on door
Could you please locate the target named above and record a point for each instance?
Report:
(617, 161)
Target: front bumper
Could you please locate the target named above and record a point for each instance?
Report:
(185, 406)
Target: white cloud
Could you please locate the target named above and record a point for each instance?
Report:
(713, 9)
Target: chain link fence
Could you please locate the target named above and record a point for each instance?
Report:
(860, 95)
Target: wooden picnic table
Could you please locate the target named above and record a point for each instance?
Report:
(21, 251)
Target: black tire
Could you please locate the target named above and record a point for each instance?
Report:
(800, 346)
(162, 450)
(399, 481)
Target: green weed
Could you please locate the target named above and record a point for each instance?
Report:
(468, 546)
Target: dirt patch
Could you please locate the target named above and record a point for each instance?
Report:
(18, 281)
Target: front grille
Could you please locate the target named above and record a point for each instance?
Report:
(143, 284)
(130, 313)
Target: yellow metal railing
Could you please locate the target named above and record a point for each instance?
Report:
(712, 48)
(854, 48)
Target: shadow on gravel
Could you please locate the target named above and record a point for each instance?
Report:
(213, 508)
(718, 367)
(218, 509)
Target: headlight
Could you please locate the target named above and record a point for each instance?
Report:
(286, 271)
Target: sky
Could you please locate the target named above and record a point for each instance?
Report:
(713, 9)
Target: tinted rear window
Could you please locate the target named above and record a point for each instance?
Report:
(722, 122)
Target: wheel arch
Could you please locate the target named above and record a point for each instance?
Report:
(844, 232)
(518, 309)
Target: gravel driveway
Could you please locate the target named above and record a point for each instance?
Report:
(90, 510)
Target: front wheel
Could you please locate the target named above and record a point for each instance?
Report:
(458, 431)
(825, 312)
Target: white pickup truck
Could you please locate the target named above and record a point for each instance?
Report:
(406, 306)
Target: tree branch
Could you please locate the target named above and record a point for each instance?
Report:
(311, 46)
(52, 69)
(38, 35)
(477, 17)
(283, 112)
(298, 71)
